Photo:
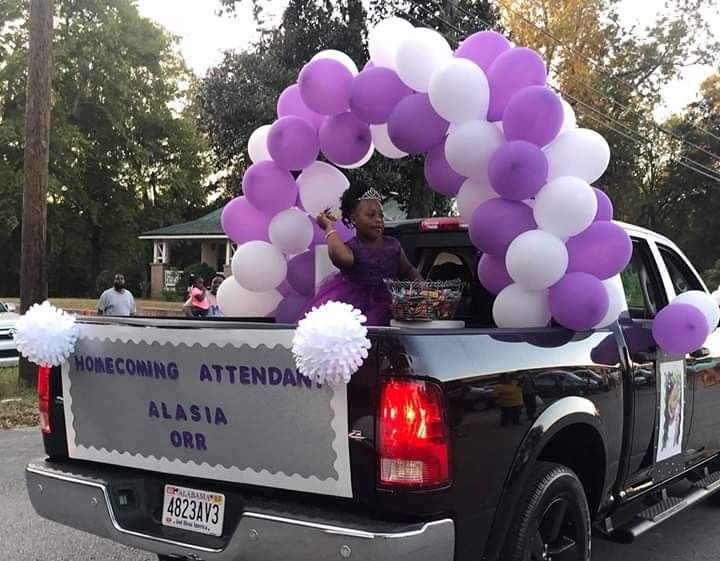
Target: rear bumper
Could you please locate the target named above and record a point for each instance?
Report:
(81, 499)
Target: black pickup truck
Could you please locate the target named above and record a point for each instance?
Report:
(200, 440)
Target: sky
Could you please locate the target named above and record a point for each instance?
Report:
(204, 36)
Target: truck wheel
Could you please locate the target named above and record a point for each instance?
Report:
(552, 520)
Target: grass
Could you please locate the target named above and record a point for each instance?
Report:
(82, 303)
(18, 407)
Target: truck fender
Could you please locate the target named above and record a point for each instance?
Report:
(572, 413)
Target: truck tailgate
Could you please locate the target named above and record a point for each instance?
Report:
(216, 403)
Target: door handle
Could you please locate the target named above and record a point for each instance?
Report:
(702, 352)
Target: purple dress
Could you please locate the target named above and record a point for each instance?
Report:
(362, 284)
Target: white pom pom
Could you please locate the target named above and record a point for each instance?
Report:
(331, 343)
(46, 335)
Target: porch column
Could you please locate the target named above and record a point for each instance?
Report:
(230, 248)
(161, 259)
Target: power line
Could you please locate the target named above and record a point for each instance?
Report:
(599, 67)
(648, 121)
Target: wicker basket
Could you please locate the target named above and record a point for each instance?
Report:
(424, 300)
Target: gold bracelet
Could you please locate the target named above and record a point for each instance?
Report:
(330, 233)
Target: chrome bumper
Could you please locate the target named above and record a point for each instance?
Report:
(82, 501)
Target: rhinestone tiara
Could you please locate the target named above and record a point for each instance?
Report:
(370, 195)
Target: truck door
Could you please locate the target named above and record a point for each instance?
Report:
(703, 366)
(645, 297)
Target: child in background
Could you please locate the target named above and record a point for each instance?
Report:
(365, 260)
(198, 299)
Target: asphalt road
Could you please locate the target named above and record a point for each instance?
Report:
(690, 536)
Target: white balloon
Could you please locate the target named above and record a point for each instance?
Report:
(518, 308)
(365, 159)
(536, 260)
(569, 118)
(340, 57)
(291, 231)
(469, 147)
(236, 301)
(472, 193)
(616, 297)
(321, 185)
(565, 206)
(421, 53)
(582, 153)
(384, 38)
(258, 266)
(703, 302)
(383, 144)
(459, 91)
(257, 144)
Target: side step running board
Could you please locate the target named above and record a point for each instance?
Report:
(668, 507)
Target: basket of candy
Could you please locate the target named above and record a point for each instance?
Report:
(424, 300)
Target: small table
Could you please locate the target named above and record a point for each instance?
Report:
(433, 324)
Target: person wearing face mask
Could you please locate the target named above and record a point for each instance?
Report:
(364, 260)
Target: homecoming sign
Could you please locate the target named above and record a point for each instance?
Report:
(226, 404)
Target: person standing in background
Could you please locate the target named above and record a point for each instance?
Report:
(118, 300)
(210, 297)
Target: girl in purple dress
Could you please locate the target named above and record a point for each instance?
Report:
(365, 260)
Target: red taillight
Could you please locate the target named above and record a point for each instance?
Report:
(43, 387)
(413, 435)
(444, 223)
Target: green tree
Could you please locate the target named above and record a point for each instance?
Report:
(240, 94)
(614, 77)
(123, 159)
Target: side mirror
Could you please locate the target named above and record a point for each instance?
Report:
(10, 307)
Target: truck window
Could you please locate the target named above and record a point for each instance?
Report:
(682, 277)
(641, 283)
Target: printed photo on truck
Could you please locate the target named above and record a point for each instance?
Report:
(672, 404)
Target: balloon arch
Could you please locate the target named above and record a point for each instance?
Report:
(494, 136)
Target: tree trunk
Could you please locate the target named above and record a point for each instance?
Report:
(33, 282)
(420, 204)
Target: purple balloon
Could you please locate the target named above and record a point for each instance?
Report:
(493, 274)
(438, 173)
(242, 222)
(483, 48)
(325, 86)
(375, 93)
(603, 250)
(284, 288)
(290, 103)
(290, 309)
(269, 188)
(518, 170)
(301, 273)
(345, 139)
(414, 126)
(497, 222)
(680, 328)
(579, 301)
(293, 143)
(369, 64)
(534, 114)
(512, 71)
(605, 206)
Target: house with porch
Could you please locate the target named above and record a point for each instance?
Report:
(215, 249)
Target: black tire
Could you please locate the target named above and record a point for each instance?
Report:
(552, 519)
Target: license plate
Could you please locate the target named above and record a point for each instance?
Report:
(193, 510)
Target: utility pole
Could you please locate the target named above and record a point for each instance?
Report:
(33, 282)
